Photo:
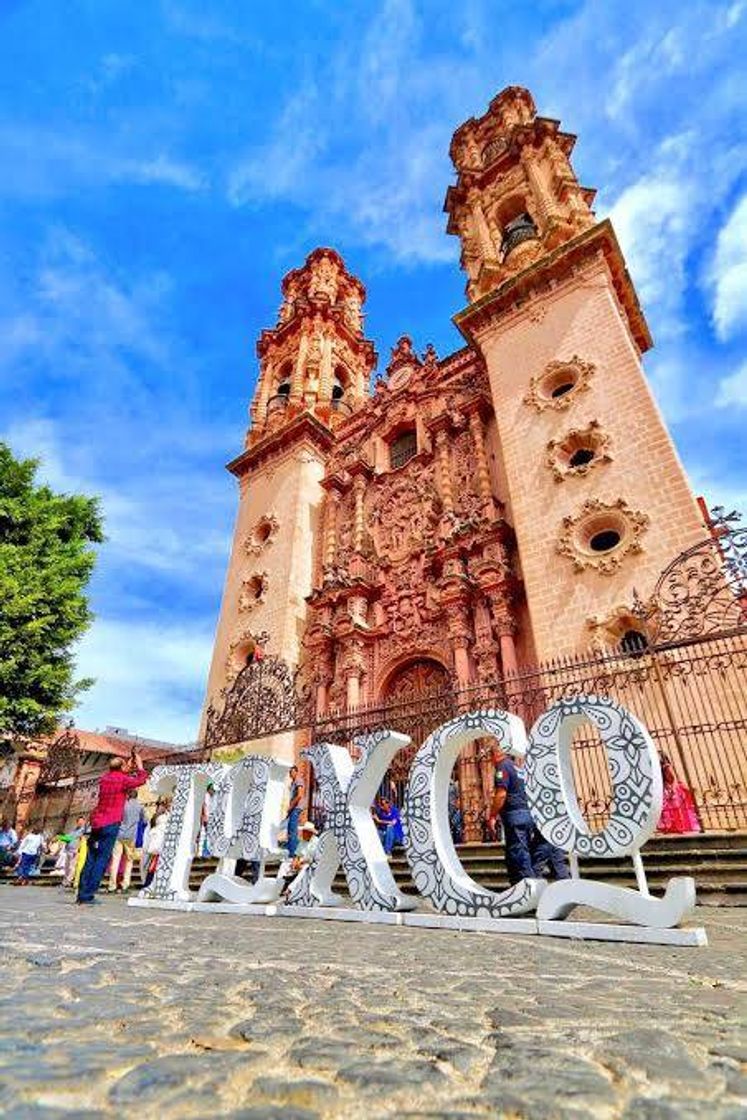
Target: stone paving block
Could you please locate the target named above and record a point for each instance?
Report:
(388, 1076)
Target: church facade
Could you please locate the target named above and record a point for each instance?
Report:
(470, 513)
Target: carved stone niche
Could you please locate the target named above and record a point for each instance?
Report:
(242, 646)
(559, 384)
(578, 451)
(262, 534)
(601, 535)
(622, 629)
(253, 591)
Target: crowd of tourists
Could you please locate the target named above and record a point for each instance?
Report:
(118, 839)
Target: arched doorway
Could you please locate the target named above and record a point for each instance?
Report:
(418, 697)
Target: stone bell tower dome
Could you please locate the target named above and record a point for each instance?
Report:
(314, 370)
(315, 359)
(517, 195)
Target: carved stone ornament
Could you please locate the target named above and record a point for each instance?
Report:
(578, 452)
(588, 537)
(559, 383)
(404, 513)
(253, 591)
(262, 535)
(608, 630)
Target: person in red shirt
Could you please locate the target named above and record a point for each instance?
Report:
(105, 821)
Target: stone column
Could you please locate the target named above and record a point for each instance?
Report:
(485, 241)
(442, 452)
(297, 380)
(264, 392)
(331, 507)
(483, 470)
(541, 195)
(359, 492)
(469, 774)
(326, 372)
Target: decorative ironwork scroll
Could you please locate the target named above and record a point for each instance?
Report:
(264, 699)
(62, 761)
(703, 592)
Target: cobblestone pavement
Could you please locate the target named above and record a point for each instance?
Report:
(113, 1011)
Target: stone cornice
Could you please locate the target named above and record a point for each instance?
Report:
(304, 429)
(556, 266)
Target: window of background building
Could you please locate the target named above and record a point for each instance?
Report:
(402, 448)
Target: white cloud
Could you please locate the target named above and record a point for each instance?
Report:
(728, 274)
(172, 521)
(651, 219)
(732, 390)
(150, 677)
(43, 163)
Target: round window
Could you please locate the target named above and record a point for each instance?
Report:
(561, 390)
(605, 540)
(581, 457)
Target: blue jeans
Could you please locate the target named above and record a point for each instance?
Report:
(518, 828)
(545, 854)
(293, 819)
(388, 837)
(26, 866)
(100, 847)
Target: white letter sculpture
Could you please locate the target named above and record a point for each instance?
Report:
(347, 792)
(243, 824)
(635, 772)
(436, 870)
(187, 786)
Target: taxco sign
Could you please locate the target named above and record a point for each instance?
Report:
(246, 811)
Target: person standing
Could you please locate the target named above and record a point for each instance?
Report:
(527, 852)
(105, 821)
(8, 841)
(72, 848)
(294, 809)
(123, 856)
(28, 853)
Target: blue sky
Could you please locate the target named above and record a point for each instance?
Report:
(164, 164)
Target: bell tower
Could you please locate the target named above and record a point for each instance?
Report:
(596, 492)
(314, 370)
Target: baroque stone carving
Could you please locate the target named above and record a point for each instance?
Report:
(404, 512)
(579, 451)
(263, 533)
(253, 591)
(587, 537)
(559, 383)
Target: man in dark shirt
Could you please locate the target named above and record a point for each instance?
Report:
(105, 821)
(527, 851)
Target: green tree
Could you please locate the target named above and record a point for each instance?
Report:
(45, 564)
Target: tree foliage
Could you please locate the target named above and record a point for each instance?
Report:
(46, 561)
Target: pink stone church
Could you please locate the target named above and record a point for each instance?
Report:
(470, 513)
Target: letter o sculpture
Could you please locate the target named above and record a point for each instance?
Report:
(635, 772)
(436, 869)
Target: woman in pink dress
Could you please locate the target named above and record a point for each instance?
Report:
(678, 808)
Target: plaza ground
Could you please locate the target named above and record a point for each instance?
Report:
(110, 1011)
